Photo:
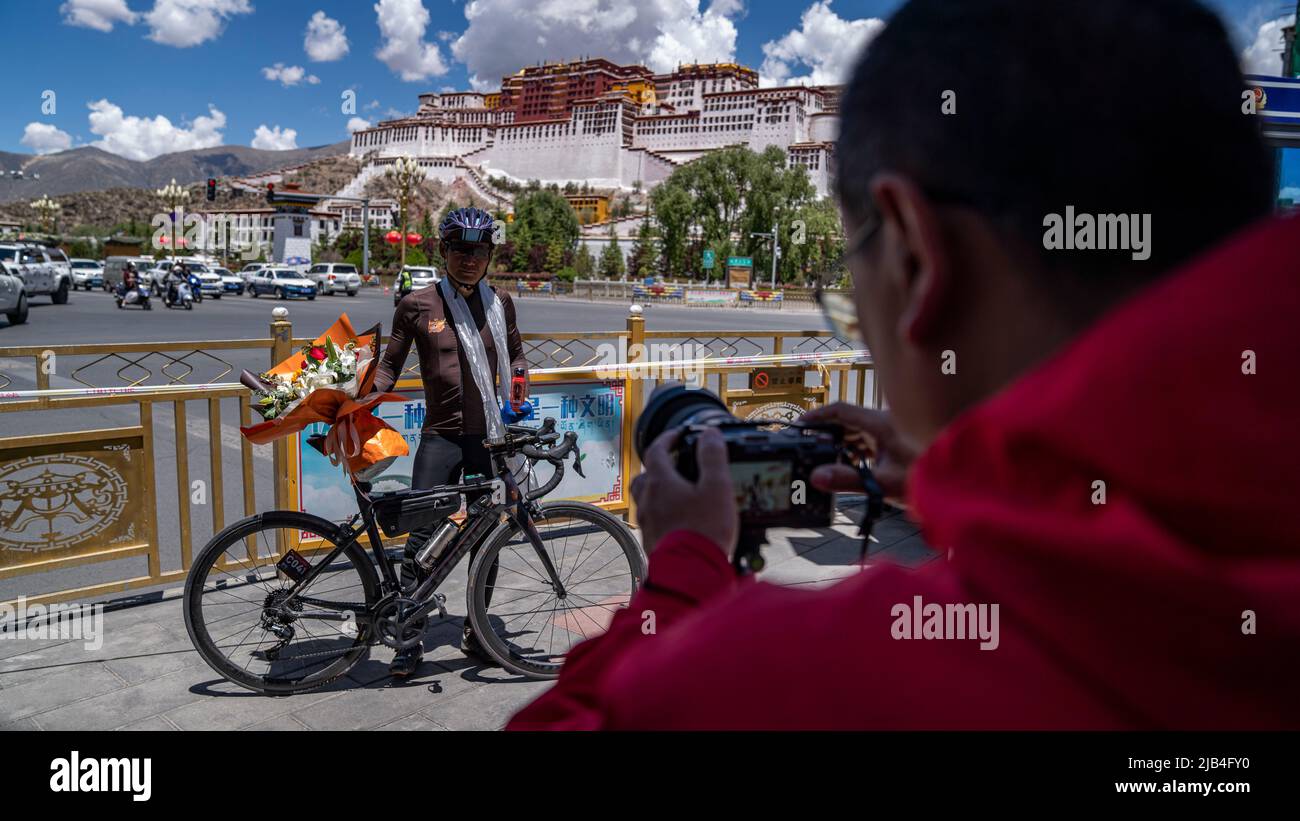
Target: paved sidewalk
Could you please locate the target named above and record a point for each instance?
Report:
(147, 676)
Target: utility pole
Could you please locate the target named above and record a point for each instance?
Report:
(365, 240)
(776, 247)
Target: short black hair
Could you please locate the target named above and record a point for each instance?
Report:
(1111, 106)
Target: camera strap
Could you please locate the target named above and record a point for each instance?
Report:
(875, 506)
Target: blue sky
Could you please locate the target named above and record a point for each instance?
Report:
(117, 66)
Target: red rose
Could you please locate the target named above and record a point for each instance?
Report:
(318, 353)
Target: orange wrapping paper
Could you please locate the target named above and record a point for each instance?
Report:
(375, 441)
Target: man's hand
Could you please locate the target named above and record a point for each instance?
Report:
(872, 434)
(665, 501)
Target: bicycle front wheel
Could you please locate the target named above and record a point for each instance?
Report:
(514, 608)
(239, 617)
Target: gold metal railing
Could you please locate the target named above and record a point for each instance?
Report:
(80, 497)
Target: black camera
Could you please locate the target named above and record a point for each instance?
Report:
(771, 463)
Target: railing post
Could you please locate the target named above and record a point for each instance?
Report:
(632, 400)
(281, 348)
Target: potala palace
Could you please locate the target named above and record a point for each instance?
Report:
(607, 125)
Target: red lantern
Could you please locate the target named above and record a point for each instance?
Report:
(393, 237)
(414, 239)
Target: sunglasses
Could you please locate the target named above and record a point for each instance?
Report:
(837, 305)
(478, 250)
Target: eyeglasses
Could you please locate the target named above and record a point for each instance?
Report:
(837, 306)
(478, 250)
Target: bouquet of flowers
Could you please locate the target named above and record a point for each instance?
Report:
(330, 381)
(323, 366)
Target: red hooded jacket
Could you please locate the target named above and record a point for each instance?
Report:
(1173, 604)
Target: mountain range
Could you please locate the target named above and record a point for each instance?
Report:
(92, 169)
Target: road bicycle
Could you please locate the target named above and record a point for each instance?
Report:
(544, 575)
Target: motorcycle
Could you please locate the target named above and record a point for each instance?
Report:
(178, 293)
(196, 287)
(139, 295)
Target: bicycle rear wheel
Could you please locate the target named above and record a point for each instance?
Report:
(236, 615)
(515, 611)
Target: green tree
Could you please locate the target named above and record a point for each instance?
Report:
(554, 257)
(813, 240)
(542, 218)
(641, 260)
(673, 215)
(523, 241)
(584, 265)
(611, 258)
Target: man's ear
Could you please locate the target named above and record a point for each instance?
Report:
(916, 252)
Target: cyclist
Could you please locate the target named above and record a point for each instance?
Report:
(463, 330)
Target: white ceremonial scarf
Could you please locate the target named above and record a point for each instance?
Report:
(476, 355)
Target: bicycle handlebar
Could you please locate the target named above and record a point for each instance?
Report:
(525, 440)
(554, 454)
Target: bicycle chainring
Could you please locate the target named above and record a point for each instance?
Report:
(393, 626)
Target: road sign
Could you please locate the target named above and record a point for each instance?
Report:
(708, 259)
(776, 379)
(741, 262)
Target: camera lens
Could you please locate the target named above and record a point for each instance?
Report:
(672, 405)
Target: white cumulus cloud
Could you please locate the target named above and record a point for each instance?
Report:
(273, 139)
(326, 40)
(142, 138)
(289, 75)
(185, 23)
(357, 124)
(824, 43)
(1264, 56)
(44, 138)
(658, 34)
(100, 15)
(402, 48)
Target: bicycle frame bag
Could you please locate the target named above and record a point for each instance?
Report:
(406, 510)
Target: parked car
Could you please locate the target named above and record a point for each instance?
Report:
(231, 283)
(13, 297)
(281, 282)
(248, 271)
(421, 277)
(44, 271)
(335, 278)
(87, 273)
(209, 281)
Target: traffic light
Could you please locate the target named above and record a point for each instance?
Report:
(270, 191)
(212, 189)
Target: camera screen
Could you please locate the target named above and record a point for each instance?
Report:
(762, 487)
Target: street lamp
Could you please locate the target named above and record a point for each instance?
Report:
(175, 196)
(776, 248)
(48, 210)
(405, 176)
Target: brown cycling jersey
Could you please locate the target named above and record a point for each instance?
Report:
(452, 403)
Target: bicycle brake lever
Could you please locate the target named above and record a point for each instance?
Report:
(577, 461)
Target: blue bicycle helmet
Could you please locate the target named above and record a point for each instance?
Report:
(466, 225)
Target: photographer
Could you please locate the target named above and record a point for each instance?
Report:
(1100, 442)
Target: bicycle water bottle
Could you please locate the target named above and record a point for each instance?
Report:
(437, 543)
(518, 387)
